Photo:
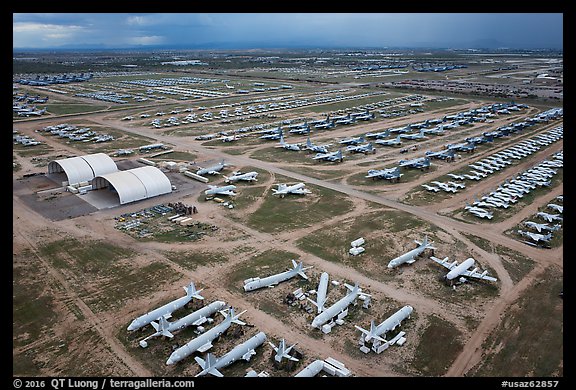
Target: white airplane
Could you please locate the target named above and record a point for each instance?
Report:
(431, 188)
(167, 309)
(282, 351)
(389, 324)
(32, 112)
(472, 177)
(273, 280)
(409, 257)
(297, 189)
(535, 236)
(338, 307)
(242, 351)
(212, 170)
(316, 148)
(479, 211)
(457, 185)
(204, 341)
(556, 207)
(224, 190)
(287, 146)
(321, 292)
(457, 270)
(389, 142)
(363, 148)
(198, 317)
(445, 187)
(549, 217)
(333, 156)
(237, 176)
(541, 226)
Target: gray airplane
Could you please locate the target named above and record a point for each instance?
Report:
(273, 280)
(541, 226)
(549, 217)
(535, 236)
(387, 174)
(212, 170)
(166, 310)
(242, 351)
(204, 341)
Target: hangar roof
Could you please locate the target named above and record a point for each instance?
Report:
(83, 168)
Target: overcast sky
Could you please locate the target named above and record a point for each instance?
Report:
(266, 30)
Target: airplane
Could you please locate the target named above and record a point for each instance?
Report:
(273, 134)
(445, 186)
(224, 190)
(420, 162)
(555, 207)
(380, 134)
(387, 174)
(549, 217)
(340, 306)
(316, 148)
(346, 120)
(352, 141)
(198, 317)
(541, 226)
(390, 141)
(457, 185)
(479, 211)
(535, 236)
(284, 189)
(462, 147)
(364, 116)
(462, 269)
(414, 136)
(204, 341)
(327, 125)
(167, 309)
(431, 188)
(321, 121)
(457, 177)
(32, 112)
(301, 130)
(448, 155)
(287, 146)
(333, 156)
(389, 324)
(321, 292)
(438, 130)
(273, 280)
(364, 148)
(410, 257)
(213, 170)
(282, 351)
(236, 176)
(242, 351)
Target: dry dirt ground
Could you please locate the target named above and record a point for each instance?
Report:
(31, 228)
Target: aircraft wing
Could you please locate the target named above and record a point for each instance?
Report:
(444, 262)
(227, 192)
(301, 191)
(479, 275)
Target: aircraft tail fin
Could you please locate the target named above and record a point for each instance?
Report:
(162, 327)
(208, 365)
(192, 292)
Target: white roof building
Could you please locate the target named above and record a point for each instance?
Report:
(83, 168)
(134, 184)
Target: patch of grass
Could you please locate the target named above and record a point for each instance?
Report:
(193, 260)
(296, 211)
(530, 334)
(439, 346)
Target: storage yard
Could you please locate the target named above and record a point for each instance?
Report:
(99, 240)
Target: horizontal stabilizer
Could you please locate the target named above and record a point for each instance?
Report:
(248, 355)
